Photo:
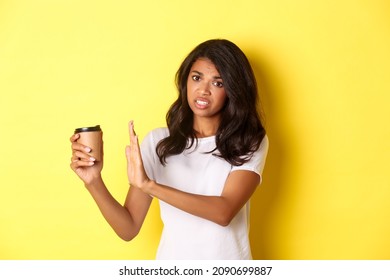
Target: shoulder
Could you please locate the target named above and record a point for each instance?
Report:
(261, 153)
(264, 144)
(150, 141)
(258, 158)
(155, 135)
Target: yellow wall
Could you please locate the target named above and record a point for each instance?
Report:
(324, 71)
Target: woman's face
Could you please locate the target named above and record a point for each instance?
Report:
(205, 90)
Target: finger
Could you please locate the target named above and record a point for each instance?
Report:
(75, 164)
(74, 137)
(82, 156)
(128, 154)
(132, 133)
(132, 152)
(80, 147)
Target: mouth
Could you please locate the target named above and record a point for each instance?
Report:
(201, 103)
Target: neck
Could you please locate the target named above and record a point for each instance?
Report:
(205, 128)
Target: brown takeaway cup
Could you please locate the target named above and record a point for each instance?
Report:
(92, 138)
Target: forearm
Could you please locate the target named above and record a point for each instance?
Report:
(217, 209)
(118, 217)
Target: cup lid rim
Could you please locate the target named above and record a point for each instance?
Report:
(88, 128)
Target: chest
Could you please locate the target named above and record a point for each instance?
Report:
(196, 172)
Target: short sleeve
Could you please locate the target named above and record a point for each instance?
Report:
(257, 162)
(148, 151)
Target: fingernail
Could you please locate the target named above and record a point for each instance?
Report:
(92, 159)
(87, 149)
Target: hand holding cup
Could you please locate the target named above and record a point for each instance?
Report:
(87, 153)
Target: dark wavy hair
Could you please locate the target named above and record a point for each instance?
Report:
(241, 130)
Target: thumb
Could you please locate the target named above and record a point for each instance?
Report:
(128, 153)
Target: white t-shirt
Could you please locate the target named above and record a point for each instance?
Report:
(184, 235)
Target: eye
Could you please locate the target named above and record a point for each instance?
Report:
(218, 84)
(195, 77)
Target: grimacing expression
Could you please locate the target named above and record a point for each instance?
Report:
(205, 90)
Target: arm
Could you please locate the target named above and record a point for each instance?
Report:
(238, 188)
(125, 220)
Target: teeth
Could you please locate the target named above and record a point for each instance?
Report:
(200, 102)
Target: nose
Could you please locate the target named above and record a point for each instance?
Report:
(204, 89)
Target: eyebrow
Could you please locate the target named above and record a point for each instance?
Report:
(201, 74)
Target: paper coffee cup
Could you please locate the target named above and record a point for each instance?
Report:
(91, 137)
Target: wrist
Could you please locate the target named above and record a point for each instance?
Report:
(94, 182)
(149, 187)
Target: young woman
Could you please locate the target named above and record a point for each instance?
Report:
(203, 168)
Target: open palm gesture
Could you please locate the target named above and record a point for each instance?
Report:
(135, 168)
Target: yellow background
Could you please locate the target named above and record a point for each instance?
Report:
(323, 67)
